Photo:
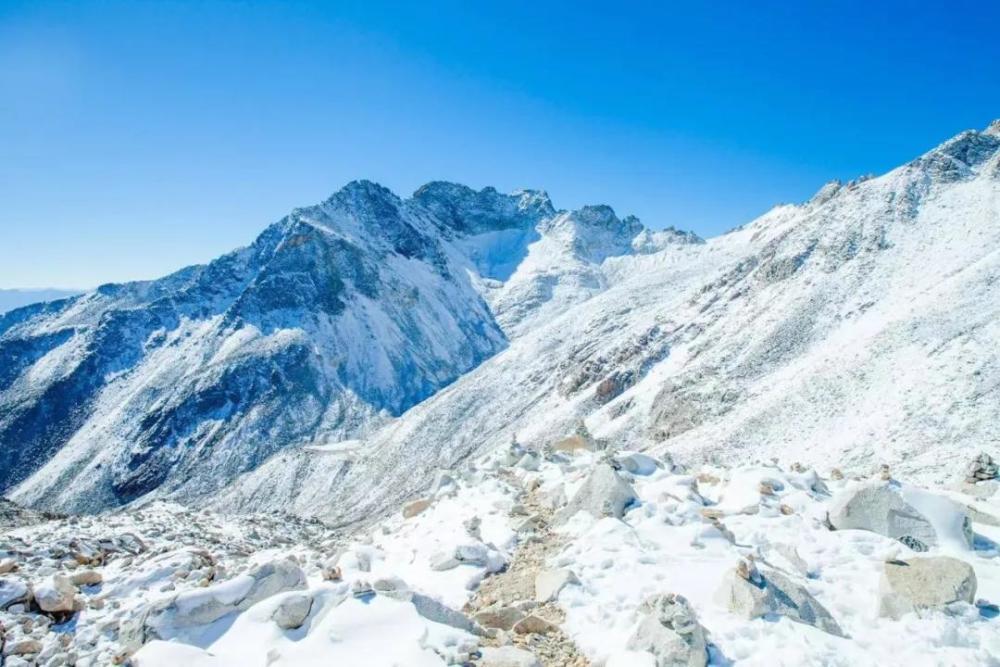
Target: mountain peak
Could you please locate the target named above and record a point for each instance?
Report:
(994, 128)
(473, 212)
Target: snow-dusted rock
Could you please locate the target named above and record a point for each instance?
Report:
(891, 509)
(981, 469)
(604, 493)
(750, 593)
(7, 565)
(671, 632)
(13, 591)
(203, 606)
(533, 624)
(548, 583)
(292, 611)
(924, 583)
(438, 612)
(506, 656)
(23, 647)
(86, 578)
(638, 464)
(55, 595)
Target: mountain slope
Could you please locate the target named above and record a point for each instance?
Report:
(18, 298)
(335, 319)
(851, 330)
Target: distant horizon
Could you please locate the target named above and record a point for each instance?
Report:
(142, 137)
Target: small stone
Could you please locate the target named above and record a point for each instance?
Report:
(671, 632)
(86, 578)
(836, 474)
(501, 618)
(415, 507)
(24, 647)
(534, 625)
(8, 565)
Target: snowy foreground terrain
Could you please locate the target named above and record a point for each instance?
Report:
(468, 428)
(491, 568)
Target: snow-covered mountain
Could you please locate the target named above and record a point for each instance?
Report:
(854, 329)
(336, 319)
(375, 338)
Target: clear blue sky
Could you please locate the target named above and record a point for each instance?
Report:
(139, 137)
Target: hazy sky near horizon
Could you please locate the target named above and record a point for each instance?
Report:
(138, 137)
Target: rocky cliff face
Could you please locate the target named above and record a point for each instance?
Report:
(337, 318)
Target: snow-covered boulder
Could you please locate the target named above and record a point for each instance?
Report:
(292, 611)
(203, 606)
(56, 595)
(604, 493)
(924, 583)
(671, 632)
(638, 464)
(750, 593)
(917, 518)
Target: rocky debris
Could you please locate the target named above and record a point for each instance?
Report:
(879, 507)
(924, 583)
(293, 611)
(981, 469)
(7, 565)
(13, 515)
(506, 656)
(750, 593)
(603, 494)
(412, 509)
(499, 617)
(671, 632)
(548, 583)
(56, 595)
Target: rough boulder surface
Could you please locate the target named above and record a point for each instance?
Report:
(671, 632)
(880, 507)
(752, 593)
(924, 583)
(603, 494)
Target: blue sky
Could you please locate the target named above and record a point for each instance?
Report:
(137, 137)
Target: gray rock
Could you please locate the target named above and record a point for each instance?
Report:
(273, 578)
(924, 583)
(392, 587)
(981, 469)
(506, 656)
(750, 593)
(638, 464)
(671, 632)
(604, 493)
(86, 578)
(548, 583)
(293, 611)
(437, 612)
(879, 507)
(23, 647)
(13, 592)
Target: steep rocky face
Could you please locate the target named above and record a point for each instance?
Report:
(337, 318)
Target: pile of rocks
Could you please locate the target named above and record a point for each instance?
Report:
(981, 469)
